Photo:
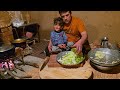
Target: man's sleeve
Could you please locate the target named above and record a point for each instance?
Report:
(81, 26)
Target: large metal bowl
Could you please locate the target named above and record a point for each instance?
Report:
(61, 54)
(111, 58)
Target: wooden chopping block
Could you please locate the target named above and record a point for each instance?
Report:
(84, 72)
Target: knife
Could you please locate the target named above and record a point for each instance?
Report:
(45, 63)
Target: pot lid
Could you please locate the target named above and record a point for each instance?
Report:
(5, 47)
(104, 56)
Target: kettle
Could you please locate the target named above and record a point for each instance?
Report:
(104, 42)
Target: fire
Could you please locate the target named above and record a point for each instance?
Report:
(7, 64)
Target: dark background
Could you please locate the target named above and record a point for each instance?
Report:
(53, 5)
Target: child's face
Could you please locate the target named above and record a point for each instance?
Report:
(57, 27)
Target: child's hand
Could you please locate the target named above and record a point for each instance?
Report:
(62, 46)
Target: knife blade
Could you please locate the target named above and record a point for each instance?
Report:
(45, 63)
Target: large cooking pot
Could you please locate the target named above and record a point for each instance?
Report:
(104, 58)
(6, 51)
(20, 42)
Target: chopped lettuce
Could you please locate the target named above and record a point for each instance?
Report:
(99, 55)
(71, 58)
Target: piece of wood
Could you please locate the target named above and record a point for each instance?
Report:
(84, 72)
(15, 76)
(31, 68)
(52, 62)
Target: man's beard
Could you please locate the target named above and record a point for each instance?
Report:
(66, 21)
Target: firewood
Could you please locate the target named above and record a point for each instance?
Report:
(30, 64)
(15, 76)
(17, 67)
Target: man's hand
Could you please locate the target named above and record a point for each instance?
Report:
(62, 46)
(78, 45)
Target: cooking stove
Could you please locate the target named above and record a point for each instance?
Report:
(10, 64)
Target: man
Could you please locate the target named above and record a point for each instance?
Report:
(75, 31)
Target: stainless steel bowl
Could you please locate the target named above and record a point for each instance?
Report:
(69, 65)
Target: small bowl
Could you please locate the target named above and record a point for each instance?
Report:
(70, 65)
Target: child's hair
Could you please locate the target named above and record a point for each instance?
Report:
(59, 21)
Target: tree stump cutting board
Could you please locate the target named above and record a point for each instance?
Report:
(84, 72)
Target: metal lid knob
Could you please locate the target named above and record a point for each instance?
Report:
(105, 38)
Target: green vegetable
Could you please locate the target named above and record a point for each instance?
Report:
(99, 55)
(74, 50)
(71, 58)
